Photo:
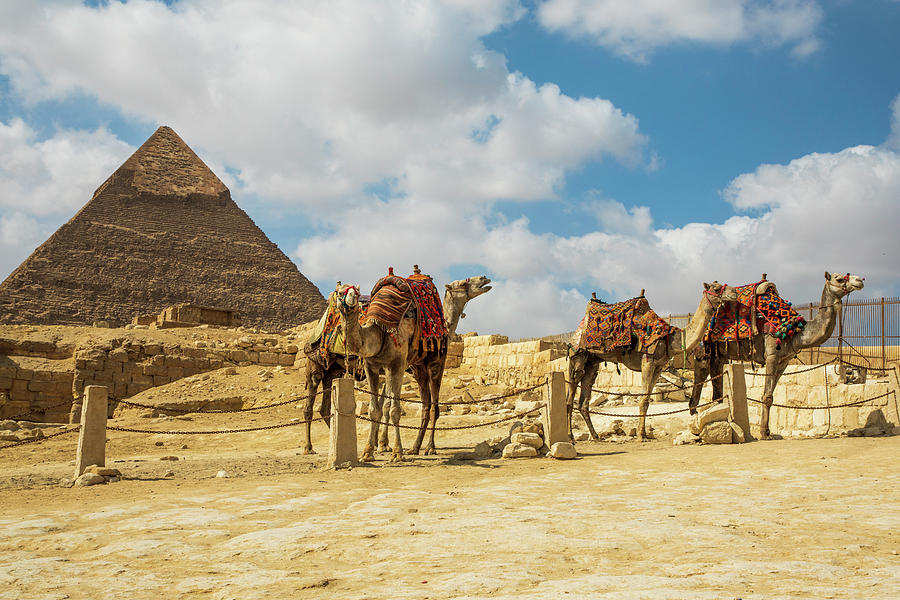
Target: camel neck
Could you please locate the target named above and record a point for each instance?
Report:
(820, 328)
(695, 330)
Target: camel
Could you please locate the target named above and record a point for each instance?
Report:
(322, 371)
(584, 364)
(775, 354)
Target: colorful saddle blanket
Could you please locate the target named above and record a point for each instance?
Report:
(392, 296)
(607, 327)
(328, 336)
(758, 308)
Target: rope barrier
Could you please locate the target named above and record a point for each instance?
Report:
(511, 394)
(857, 403)
(475, 426)
(37, 410)
(648, 416)
(249, 429)
(203, 411)
(41, 439)
(812, 368)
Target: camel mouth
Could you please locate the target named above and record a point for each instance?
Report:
(476, 289)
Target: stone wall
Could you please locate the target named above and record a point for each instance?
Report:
(517, 364)
(35, 382)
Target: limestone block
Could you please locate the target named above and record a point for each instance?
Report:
(716, 412)
(118, 355)
(717, 432)
(563, 450)
(820, 417)
(514, 450)
(527, 439)
(87, 479)
(5, 383)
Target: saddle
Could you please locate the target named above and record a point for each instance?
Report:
(758, 308)
(393, 297)
(630, 325)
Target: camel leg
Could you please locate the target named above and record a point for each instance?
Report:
(313, 378)
(573, 377)
(701, 372)
(375, 402)
(325, 407)
(591, 368)
(420, 375)
(773, 374)
(716, 368)
(434, 382)
(383, 427)
(650, 370)
(395, 377)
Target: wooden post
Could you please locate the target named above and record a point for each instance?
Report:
(555, 427)
(92, 437)
(342, 441)
(736, 389)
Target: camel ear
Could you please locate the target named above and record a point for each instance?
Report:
(827, 275)
(447, 285)
(707, 286)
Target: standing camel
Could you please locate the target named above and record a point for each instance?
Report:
(323, 367)
(772, 352)
(585, 363)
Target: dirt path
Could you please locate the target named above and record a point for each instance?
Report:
(800, 519)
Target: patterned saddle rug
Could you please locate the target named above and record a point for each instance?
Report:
(758, 308)
(607, 327)
(392, 296)
(328, 336)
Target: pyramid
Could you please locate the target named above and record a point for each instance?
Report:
(161, 230)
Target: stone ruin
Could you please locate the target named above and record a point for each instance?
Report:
(161, 231)
(189, 315)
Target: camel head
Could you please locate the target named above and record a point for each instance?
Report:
(348, 297)
(468, 288)
(719, 293)
(842, 284)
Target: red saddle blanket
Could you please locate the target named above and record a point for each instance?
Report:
(607, 327)
(758, 308)
(392, 296)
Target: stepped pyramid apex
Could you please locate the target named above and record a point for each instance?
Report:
(166, 166)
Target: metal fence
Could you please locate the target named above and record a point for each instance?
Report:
(867, 333)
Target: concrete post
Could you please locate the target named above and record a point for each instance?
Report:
(342, 445)
(555, 427)
(736, 390)
(92, 437)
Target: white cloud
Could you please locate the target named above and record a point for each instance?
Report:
(55, 176)
(635, 28)
(20, 234)
(312, 101)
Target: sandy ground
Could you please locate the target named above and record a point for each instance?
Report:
(776, 519)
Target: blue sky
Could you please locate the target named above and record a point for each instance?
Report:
(558, 146)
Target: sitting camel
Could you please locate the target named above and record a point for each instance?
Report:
(323, 367)
(772, 352)
(585, 363)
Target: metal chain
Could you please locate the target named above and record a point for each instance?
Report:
(857, 403)
(41, 439)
